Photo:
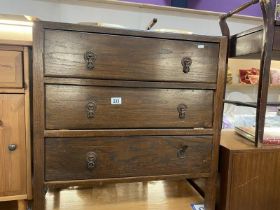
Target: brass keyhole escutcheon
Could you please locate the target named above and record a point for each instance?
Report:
(186, 63)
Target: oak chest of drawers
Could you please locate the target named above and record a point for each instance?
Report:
(115, 105)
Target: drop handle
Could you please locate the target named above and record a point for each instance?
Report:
(12, 147)
(91, 109)
(90, 58)
(186, 63)
(91, 160)
(181, 153)
(182, 109)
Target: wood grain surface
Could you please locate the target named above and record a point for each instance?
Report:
(11, 70)
(132, 84)
(12, 131)
(154, 195)
(27, 100)
(8, 205)
(22, 205)
(38, 120)
(163, 195)
(66, 158)
(248, 44)
(210, 192)
(15, 165)
(145, 70)
(127, 132)
(66, 108)
(249, 175)
(128, 58)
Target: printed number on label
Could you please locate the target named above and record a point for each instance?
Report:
(116, 100)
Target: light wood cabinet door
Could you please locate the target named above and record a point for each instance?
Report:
(12, 132)
(11, 74)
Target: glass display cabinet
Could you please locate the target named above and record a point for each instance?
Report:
(262, 43)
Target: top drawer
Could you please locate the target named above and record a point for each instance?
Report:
(104, 56)
(10, 69)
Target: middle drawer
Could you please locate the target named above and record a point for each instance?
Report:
(88, 107)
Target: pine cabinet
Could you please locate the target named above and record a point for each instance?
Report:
(15, 166)
(11, 69)
(12, 144)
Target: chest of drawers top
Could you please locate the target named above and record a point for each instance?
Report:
(76, 51)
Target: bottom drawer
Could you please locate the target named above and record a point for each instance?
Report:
(117, 157)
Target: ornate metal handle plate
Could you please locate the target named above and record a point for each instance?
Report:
(12, 147)
(91, 109)
(90, 58)
(181, 153)
(186, 63)
(182, 108)
(91, 160)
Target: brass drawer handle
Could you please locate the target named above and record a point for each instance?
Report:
(91, 109)
(90, 58)
(181, 153)
(186, 63)
(182, 108)
(91, 160)
(12, 147)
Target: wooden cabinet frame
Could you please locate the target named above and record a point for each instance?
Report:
(25, 92)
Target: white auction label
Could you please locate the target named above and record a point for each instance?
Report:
(116, 100)
(200, 46)
(198, 206)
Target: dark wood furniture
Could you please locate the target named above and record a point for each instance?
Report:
(113, 105)
(8, 205)
(248, 44)
(249, 175)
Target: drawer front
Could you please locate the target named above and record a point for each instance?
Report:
(86, 107)
(11, 69)
(118, 157)
(129, 58)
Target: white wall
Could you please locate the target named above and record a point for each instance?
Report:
(75, 11)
